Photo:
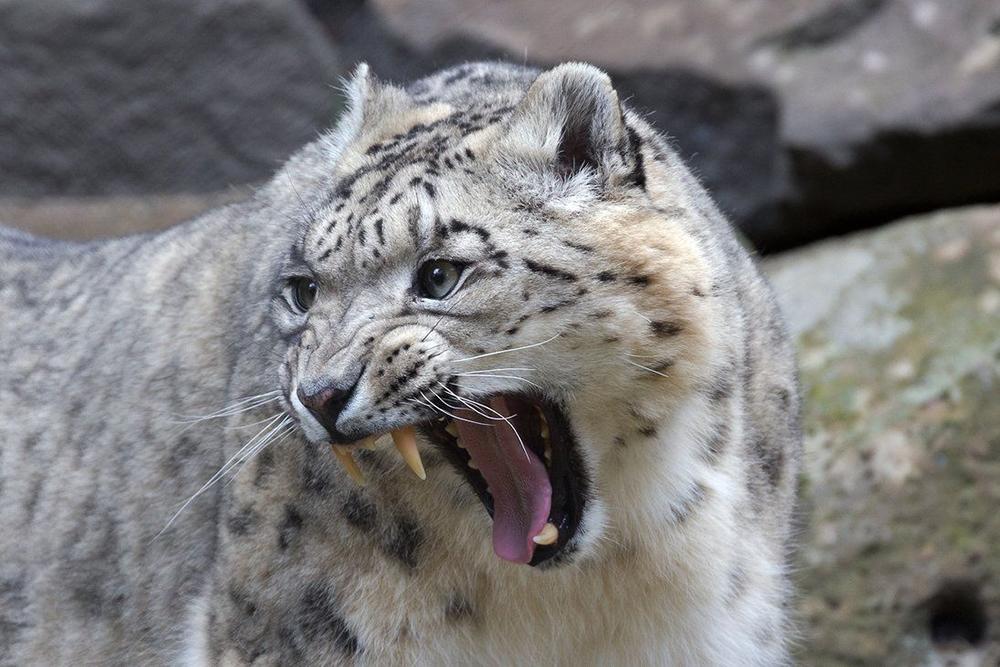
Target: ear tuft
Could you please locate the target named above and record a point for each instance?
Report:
(368, 102)
(357, 89)
(368, 98)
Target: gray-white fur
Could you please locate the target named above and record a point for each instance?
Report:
(660, 337)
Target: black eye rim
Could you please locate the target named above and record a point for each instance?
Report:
(420, 287)
(299, 302)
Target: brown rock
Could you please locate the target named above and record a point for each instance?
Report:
(81, 219)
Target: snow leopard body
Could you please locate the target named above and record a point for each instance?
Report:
(597, 273)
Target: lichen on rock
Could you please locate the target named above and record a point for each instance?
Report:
(899, 338)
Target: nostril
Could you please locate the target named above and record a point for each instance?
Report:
(326, 405)
(308, 400)
(336, 401)
(328, 400)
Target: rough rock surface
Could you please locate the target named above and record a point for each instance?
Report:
(899, 334)
(110, 97)
(887, 106)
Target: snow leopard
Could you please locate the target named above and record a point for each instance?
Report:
(481, 376)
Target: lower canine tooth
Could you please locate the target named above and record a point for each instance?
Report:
(472, 464)
(548, 535)
(406, 443)
(346, 459)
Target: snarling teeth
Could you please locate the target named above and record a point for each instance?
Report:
(548, 535)
(346, 459)
(522, 465)
(406, 444)
(404, 438)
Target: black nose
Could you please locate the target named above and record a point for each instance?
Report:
(326, 406)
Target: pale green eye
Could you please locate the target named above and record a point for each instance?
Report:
(437, 278)
(302, 293)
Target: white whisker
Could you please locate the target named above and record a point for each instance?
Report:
(470, 402)
(445, 401)
(506, 377)
(221, 472)
(282, 429)
(646, 368)
(241, 426)
(234, 409)
(243, 401)
(513, 349)
(496, 370)
(431, 405)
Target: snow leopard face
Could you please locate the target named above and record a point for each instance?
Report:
(489, 283)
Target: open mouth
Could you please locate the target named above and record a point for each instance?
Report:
(522, 462)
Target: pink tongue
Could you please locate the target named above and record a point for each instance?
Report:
(516, 478)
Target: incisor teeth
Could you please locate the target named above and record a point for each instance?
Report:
(452, 429)
(346, 459)
(548, 535)
(367, 443)
(406, 443)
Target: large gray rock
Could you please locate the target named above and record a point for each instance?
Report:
(887, 106)
(899, 336)
(105, 96)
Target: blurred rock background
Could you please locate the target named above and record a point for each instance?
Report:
(808, 119)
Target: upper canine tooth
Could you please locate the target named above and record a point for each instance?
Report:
(544, 430)
(346, 459)
(548, 535)
(452, 429)
(405, 439)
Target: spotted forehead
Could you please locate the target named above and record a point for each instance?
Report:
(397, 180)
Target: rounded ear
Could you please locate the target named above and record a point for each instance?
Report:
(368, 101)
(571, 120)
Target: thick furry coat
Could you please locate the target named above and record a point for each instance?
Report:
(132, 370)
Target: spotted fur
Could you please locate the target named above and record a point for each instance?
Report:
(595, 260)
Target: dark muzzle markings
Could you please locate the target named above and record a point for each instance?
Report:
(516, 451)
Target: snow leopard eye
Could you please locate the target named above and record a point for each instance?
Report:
(302, 293)
(437, 278)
